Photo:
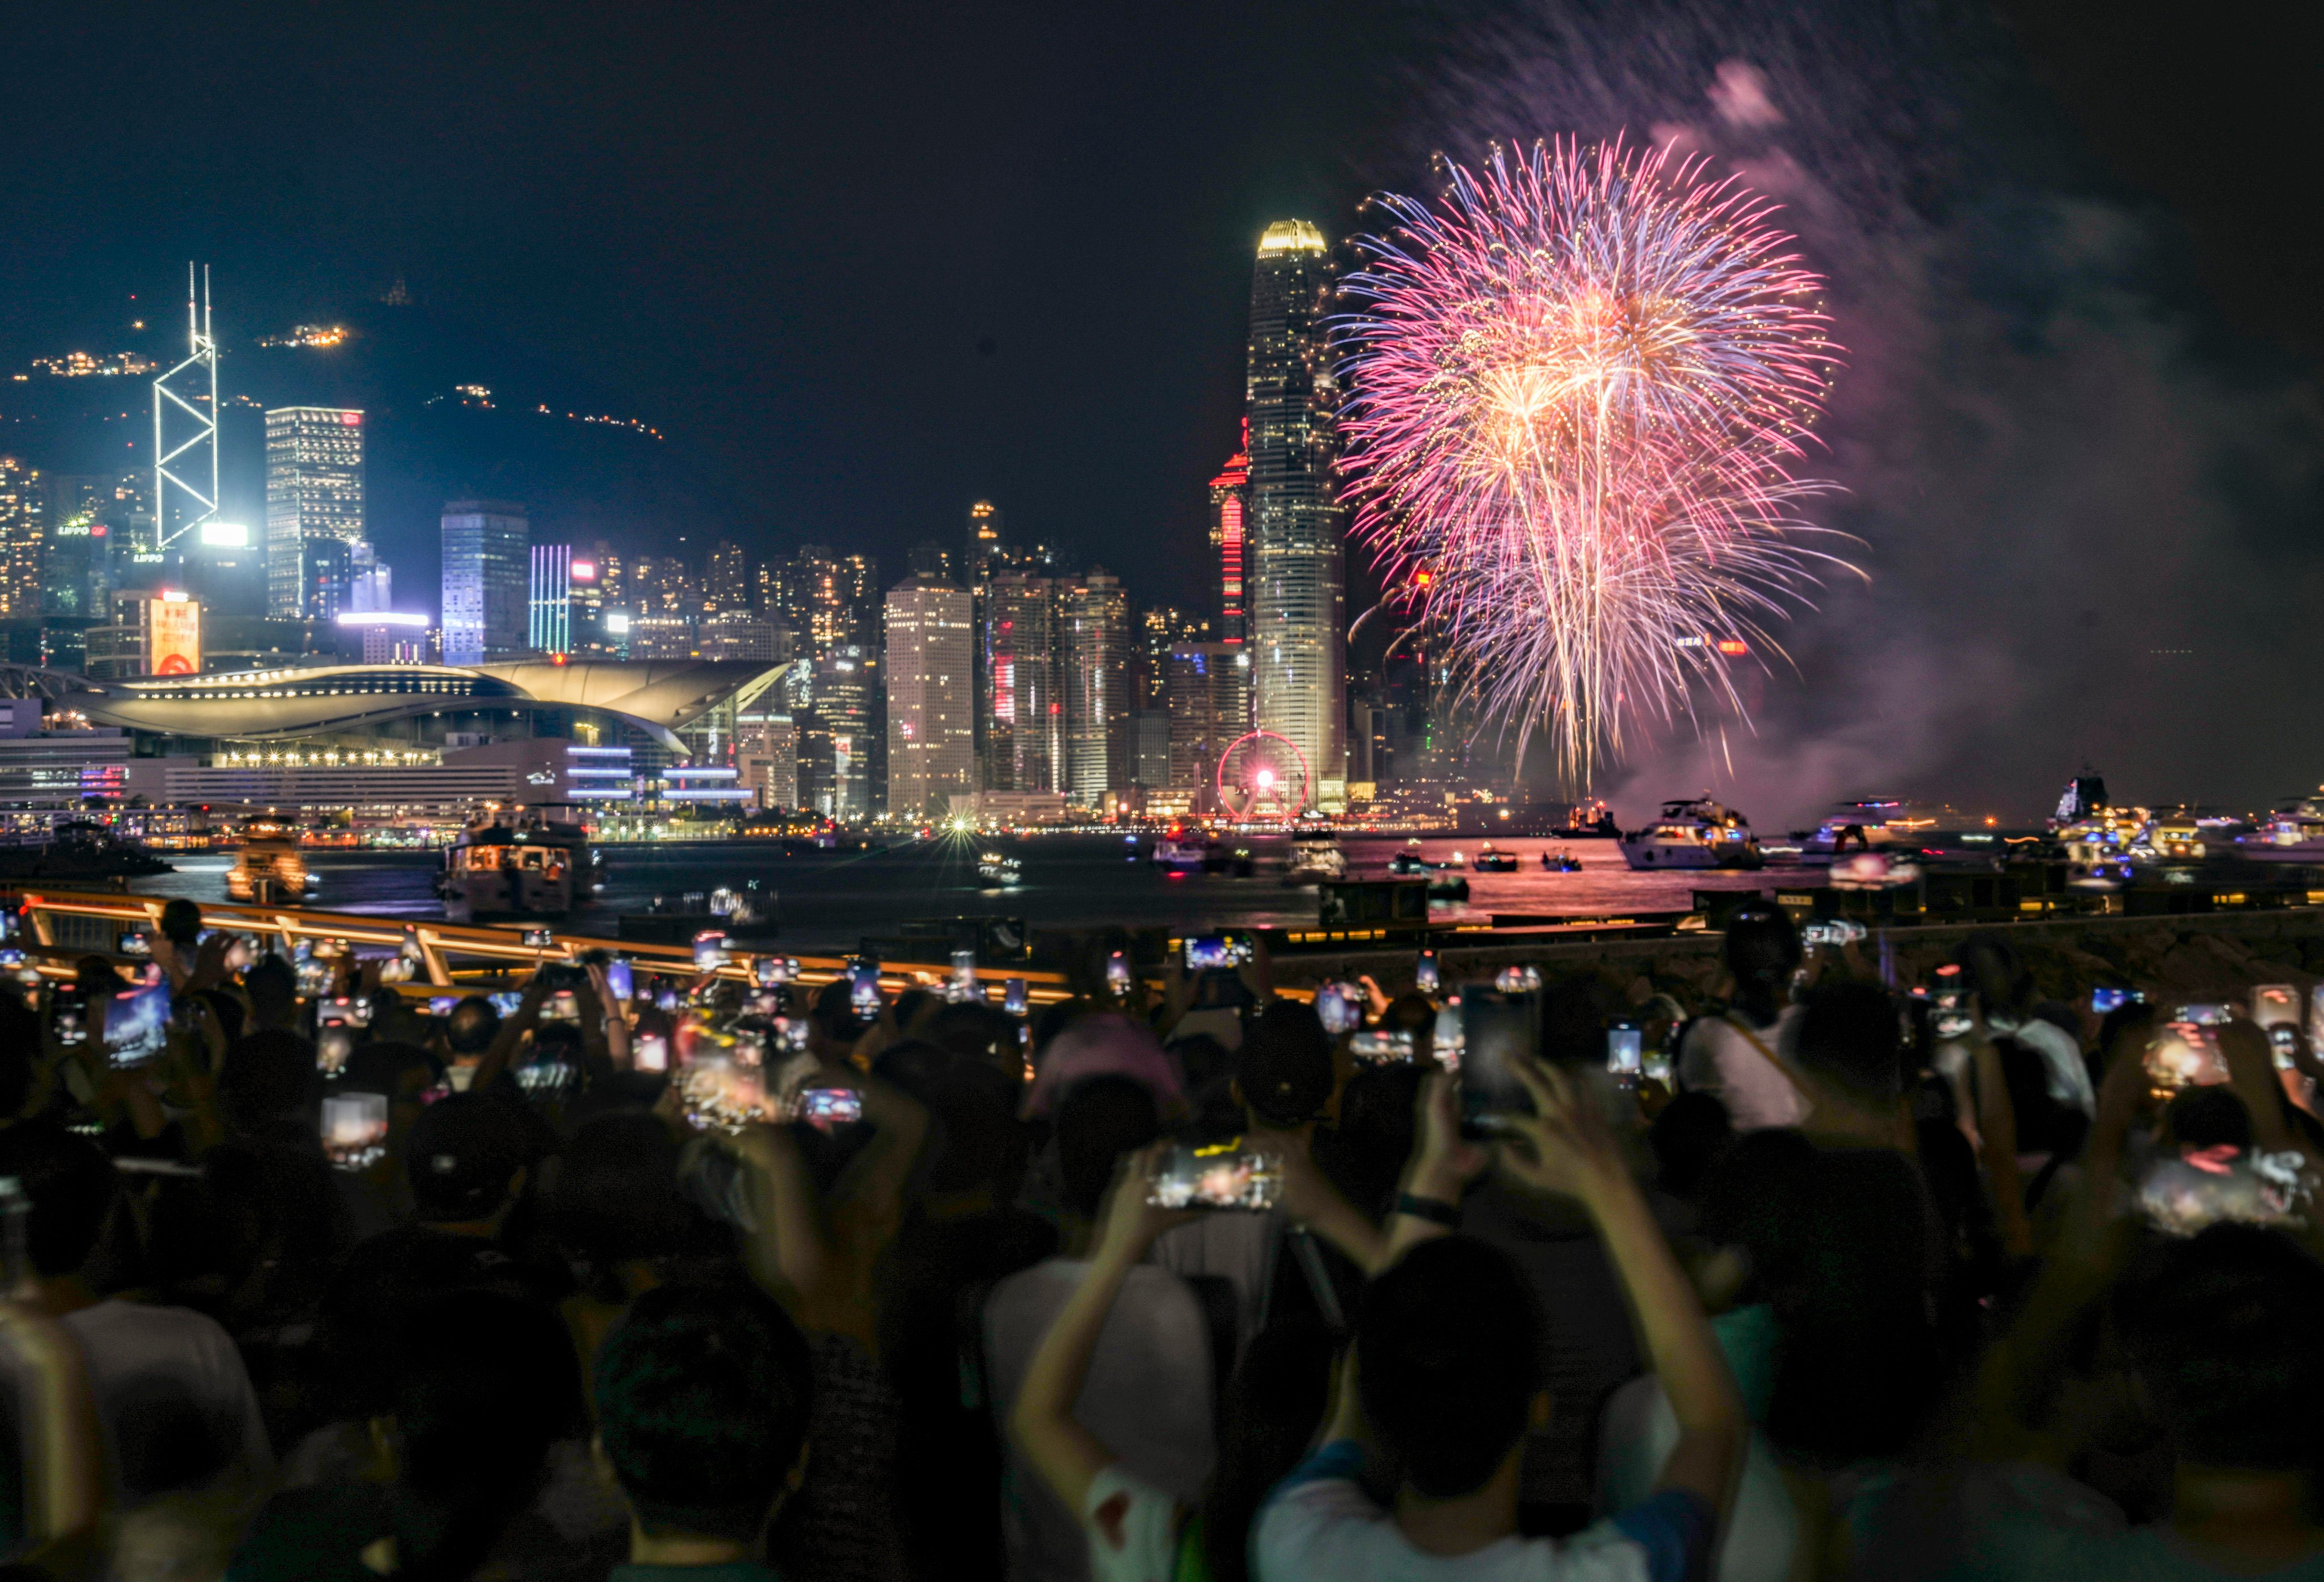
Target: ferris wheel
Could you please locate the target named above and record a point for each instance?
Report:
(1264, 776)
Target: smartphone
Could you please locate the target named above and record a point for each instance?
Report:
(442, 1005)
(2105, 1001)
(649, 1052)
(2275, 1005)
(136, 1026)
(1383, 1046)
(825, 1108)
(1833, 931)
(1116, 972)
(1497, 1027)
(540, 939)
(864, 993)
(766, 971)
(1425, 976)
(564, 1006)
(2185, 1054)
(964, 985)
(134, 944)
(354, 1128)
(506, 1001)
(620, 981)
(1208, 952)
(1012, 997)
(1948, 1003)
(344, 1011)
(709, 950)
(1525, 979)
(666, 999)
(2205, 1014)
(334, 1047)
(714, 1093)
(1223, 1175)
(68, 1014)
(790, 1032)
(1625, 1047)
(1339, 1006)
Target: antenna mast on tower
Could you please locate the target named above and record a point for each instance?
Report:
(201, 500)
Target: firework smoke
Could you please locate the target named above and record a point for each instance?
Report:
(1580, 384)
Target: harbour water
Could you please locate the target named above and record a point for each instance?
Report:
(827, 901)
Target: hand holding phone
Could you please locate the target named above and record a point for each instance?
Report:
(1223, 1175)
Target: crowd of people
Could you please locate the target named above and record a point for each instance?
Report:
(1541, 1276)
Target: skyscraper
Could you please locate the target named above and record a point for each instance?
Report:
(840, 766)
(1024, 712)
(728, 583)
(21, 515)
(1160, 629)
(1298, 593)
(488, 580)
(932, 560)
(1210, 706)
(1097, 687)
(548, 622)
(1230, 543)
(931, 696)
(314, 490)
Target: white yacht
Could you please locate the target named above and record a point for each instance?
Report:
(1694, 833)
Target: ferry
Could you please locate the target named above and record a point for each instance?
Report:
(999, 870)
(1492, 859)
(1693, 834)
(541, 867)
(269, 869)
(1313, 859)
(1179, 853)
(1560, 862)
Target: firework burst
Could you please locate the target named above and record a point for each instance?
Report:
(1580, 384)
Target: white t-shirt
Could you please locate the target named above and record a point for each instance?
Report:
(1636, 1432)
(1718, 1060)
(1320, 1526)
(1133, 1529)
(2063, 1075)
(1146, 1398)
(173, 1400)
(1241, 1246)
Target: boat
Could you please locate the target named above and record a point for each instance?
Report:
(1410, 862)
(1866, 825)
(1560, 862)
(998, 870)
(1491, 858)
(2290, 833)
(1696, 832)
(1590, 820)
(1178, 853)
(1313, 859)
(268, 869)
(539, 867)
(1447, 887)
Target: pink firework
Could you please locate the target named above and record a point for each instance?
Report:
(1580, 385)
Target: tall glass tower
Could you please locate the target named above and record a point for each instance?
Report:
(1297, 593)
(314, 490)
(488, 580)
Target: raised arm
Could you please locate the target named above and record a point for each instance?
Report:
(1068, 1457)
(1443, 1164)
(64, 1478)
(510, 1038)
(1564, 1148)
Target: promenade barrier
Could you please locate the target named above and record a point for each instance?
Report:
(57, 928)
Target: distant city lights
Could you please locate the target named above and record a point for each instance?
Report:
(308, 335)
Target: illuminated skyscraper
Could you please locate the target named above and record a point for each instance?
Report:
(314, 490)
(549, 623)
(1097, 687)
(20, 540)
(1229, 541)
(1298, 592)
(488, 580)
(839, 758)
(931, 696)
(1210, 706)
(728, 585)
(1025, 716)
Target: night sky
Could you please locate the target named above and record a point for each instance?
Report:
(866, 264)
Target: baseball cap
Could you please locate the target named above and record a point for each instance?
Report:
(463, 1150)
